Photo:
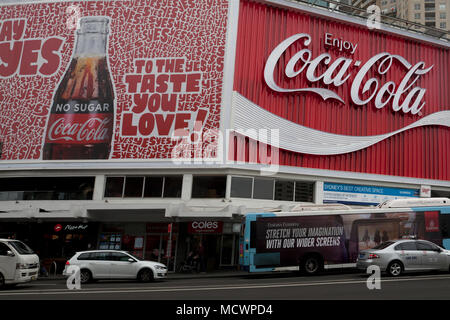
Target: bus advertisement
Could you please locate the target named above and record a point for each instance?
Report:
(310, 241)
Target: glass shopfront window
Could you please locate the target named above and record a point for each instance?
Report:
(54, 242)
(46, 188)
(153, 187)
(215, 242)
(284, 190)
(263, 189)
(272, 189)
(241, 187)
(149, 241)
(172, 186)
(133, 187)
(144, 187)
(209, 186)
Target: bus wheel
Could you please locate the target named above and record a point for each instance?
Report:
(312, 264)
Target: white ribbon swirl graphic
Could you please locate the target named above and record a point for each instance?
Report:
(298, 138)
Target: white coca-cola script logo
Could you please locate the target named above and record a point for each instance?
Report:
(93, 129)
(337, 73)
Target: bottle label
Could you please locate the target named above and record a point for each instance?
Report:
(79, 128)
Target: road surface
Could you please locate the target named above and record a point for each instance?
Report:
(286, 286)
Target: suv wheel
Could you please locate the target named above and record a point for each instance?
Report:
(85, 276)
(2, 281)
(145, 275)
(395, 269)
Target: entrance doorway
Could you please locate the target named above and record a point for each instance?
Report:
(228, 250)
(156, 247)
(219, 250)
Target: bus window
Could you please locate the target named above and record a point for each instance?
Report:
(445, 225)
(253, 234)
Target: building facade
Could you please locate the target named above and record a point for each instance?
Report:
(431, 13)
(154, 129)
(355, 7)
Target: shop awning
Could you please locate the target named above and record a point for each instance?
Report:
(35, 212)
(183, 211)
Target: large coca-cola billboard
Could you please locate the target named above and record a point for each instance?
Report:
(343, 96)
(111, 79)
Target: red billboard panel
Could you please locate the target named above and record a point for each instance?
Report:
(110, 79)
(343, 96)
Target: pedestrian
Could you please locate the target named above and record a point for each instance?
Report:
(377, 237)
(385, 236)
(366, 237)
(42, 269)
(202, 258)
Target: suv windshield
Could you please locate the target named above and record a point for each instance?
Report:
(21, 247)
(383, 245)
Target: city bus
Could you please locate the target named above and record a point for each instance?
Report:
(313, 239)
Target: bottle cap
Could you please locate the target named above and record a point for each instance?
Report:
(94, 25)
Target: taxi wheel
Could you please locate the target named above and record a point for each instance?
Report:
(395, 268)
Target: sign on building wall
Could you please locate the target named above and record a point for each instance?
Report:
(360, 194)
(111, 79)
(342, 96)
(209, 227)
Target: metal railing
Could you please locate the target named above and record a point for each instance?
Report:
(337, 6)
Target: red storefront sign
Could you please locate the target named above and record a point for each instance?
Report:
(343, 96)
(161, 227)
(71, 228)
(210, 227)
(432, 221)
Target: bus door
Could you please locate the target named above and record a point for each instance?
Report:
(248, 259)
(444, 222)
(244, 243)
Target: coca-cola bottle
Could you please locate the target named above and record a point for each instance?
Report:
(81, 119)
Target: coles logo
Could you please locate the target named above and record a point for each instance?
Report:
(205, 227)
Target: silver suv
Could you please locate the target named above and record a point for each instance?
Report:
(396, 257)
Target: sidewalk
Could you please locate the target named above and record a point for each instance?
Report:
(172, 275)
